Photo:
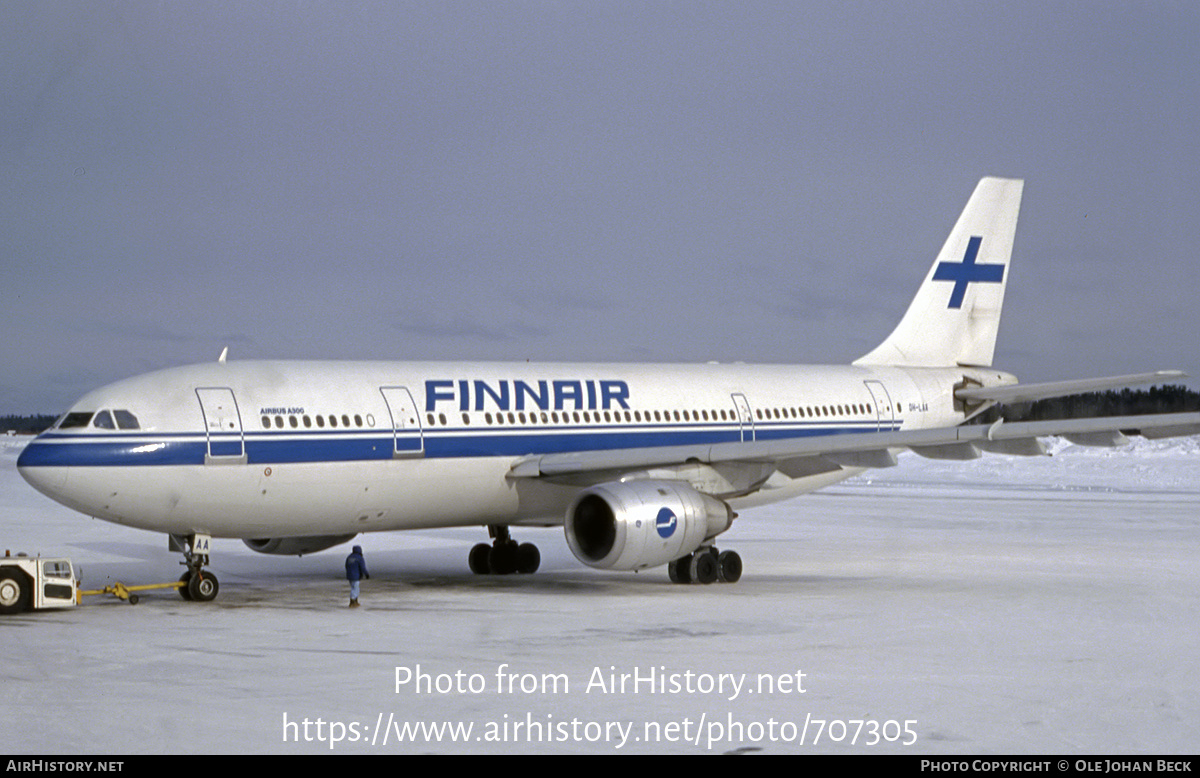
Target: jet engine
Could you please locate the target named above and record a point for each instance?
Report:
(296, 546)
(631, 525)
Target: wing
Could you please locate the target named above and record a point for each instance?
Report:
(869, 449)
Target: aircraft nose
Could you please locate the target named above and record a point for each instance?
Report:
(33, 467)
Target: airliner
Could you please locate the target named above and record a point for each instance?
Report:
(642, 465)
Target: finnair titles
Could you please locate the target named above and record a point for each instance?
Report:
(642, 465)
(518, 395)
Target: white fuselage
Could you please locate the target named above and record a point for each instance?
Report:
(274, 449)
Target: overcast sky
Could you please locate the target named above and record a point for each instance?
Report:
(763, 182)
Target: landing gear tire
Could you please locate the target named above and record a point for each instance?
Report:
(478, 559)
(196, 584)
(203, 587)
(14, 591)
(183, 590)
(504, 556)
(528, 558)
(679, 570)
(729, 567)
(704, 568)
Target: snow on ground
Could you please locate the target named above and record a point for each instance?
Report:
(1005, 605)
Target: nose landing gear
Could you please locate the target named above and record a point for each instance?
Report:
(199, 585)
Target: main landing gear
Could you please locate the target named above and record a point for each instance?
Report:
(504, 555)
(197, 584)
(705, 566)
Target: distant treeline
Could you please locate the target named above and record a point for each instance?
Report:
(1125, 402)
(26, 425)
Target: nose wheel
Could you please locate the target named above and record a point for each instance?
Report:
(200, 586)
(197, 584)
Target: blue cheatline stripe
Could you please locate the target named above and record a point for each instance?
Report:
(268, 448)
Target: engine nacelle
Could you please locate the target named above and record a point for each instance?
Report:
(296, 546)
(636, 524)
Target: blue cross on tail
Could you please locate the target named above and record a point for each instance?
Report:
(966, 272)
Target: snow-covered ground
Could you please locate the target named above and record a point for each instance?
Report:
(1005, 605)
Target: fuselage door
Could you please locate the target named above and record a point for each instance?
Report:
(406, 422)
(222, 425)
(885, 414)
(745, 418)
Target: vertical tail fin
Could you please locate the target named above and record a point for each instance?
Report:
(954, 318)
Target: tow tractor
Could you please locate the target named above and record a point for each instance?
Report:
(39, 583)
(36, 583)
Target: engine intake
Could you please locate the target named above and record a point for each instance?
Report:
(297, 546)
(637, 524)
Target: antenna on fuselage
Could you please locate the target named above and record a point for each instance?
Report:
(224, 353)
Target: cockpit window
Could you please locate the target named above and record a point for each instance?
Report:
(76, 419)
(105, 420)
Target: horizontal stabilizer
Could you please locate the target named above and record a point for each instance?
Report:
(1019, 393)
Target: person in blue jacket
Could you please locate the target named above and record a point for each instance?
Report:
(356, 569)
